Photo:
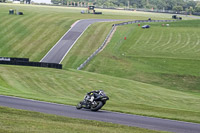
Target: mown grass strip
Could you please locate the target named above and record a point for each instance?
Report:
(13, 120)
(34, 34)
(163, 56)
(69, 87)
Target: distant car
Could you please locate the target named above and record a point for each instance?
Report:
(146, 26)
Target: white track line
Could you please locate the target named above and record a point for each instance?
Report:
(74, 43)
(60, 40)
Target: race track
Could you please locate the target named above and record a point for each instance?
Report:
(56, 55)
(62, 47)
(106, 116)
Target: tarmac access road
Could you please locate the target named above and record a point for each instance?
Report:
(63, 46)
(106, 116)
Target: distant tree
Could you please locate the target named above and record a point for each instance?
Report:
(189, 4)
(178, 8)
(156, 4)
(134, 6)
(121, 5)
(106, 4)
(197, 8)
(161, 4)
(180, 3)
(112, 5)
(190, 10)
(98, 3)
(170, 4)
(28, 1)
(150, 6)
(142, 3)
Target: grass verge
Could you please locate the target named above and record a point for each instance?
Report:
(13, 120)
(70, 86)
(164, 56)
(33, 34)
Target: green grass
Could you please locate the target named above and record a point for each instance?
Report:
(33, 34)
(13, 120)
(163, 56)
(88, 43)
(69, 87)
(172, 65)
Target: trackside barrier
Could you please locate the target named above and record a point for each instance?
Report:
(25, 62)
(115, 25)
(143, 21)
(97, 51)
(14, 59)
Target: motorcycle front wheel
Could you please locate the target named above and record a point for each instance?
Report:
(97, 106)
(78, 106)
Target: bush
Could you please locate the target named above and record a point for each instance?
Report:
(178, 8)
(197, 8)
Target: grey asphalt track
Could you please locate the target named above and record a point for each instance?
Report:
(106, 116)
(62, 47)
(190, 16)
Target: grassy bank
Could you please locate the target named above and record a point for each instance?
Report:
(69, 87)
(87, 44)
(166, 57)
(33, 34)
(163, 56)
(13, 120)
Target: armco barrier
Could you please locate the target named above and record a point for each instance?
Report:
(143, 21)
(103, 44)
(97, 51)
(25, 62)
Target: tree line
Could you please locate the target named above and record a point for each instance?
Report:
(176, 5)
(189, 6)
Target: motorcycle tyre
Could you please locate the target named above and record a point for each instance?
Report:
(79, 106)
(99, 106)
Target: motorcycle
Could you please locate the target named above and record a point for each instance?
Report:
(97, 104)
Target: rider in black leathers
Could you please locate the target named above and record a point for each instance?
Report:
(93, 100)
(93, 95)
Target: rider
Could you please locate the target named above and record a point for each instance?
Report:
(93, 95)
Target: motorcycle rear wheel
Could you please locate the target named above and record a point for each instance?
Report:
(97, 107)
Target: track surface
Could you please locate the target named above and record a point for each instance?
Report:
(106, 116)
(62, 47)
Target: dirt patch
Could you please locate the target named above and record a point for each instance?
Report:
(109, 39)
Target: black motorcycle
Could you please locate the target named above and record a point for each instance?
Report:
(97, 104)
